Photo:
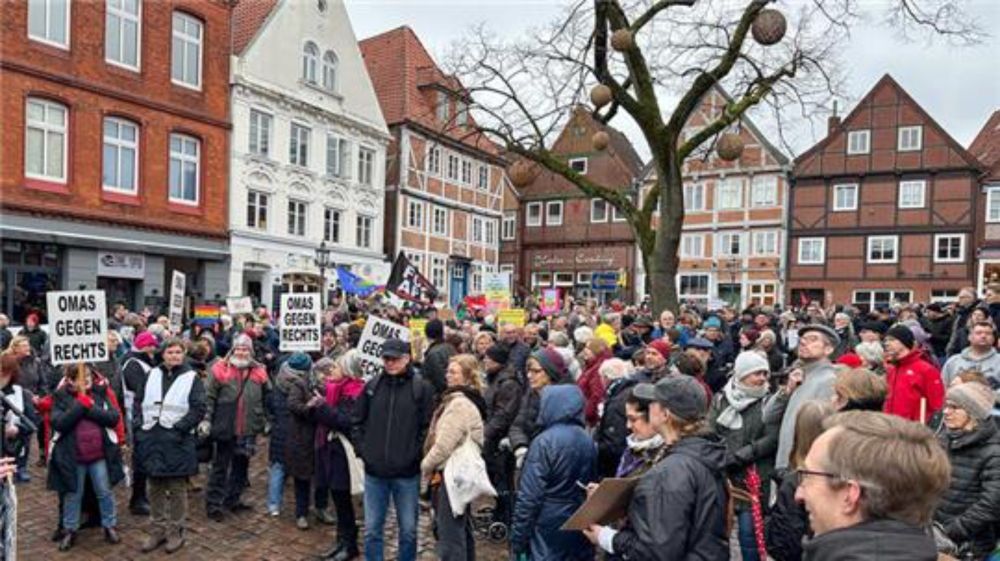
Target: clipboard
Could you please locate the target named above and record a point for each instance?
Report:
(608, 503)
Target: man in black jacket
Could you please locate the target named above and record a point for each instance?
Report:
(392, 418)
(437, 356)
(503, 399)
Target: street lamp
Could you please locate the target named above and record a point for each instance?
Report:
(734, 262)
(322, 261)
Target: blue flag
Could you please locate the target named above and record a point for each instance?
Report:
(353, 284)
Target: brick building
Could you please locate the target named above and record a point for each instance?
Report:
(564, 236)
(986, 148)
(510, 236)
(444, 182)
(883, 208)
(115, 148)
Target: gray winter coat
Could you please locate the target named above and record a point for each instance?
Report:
(817, 383)
(989, 365)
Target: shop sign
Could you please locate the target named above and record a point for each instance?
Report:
(119, 265)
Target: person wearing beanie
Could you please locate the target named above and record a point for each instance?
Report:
(135, 369)
(915, 388)
(747, 417)
(544, 367)
(438, 353)
(590, 383)
(297, 455)
(503, 400)
(969, 511)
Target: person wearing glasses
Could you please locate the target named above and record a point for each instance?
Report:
(544, 368)
(870, 483)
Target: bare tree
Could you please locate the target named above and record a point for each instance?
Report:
(674, 52)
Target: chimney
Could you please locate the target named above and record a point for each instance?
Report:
(833, 121)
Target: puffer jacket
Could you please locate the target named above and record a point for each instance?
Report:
(562, 455)
(612, 429)
(874, 540)
(224, 384)
(459, 416)
(67, 412)
(756, 442)
(970, 508)
(503, 399)
(162, 452)
(678, 508)
(909, 380)
(592, 386)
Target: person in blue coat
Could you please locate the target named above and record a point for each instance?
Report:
(560, 461)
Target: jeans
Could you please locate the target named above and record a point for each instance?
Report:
(228, 477)
(98, 472)
(275, 486)
(747, 538)
(405, 494)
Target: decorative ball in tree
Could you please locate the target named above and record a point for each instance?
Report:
(600, 95)
(729, 147)
(600, 140)
(522, 172)
(622, 40)
(768, 27)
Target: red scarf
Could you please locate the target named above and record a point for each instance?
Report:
(347, 387)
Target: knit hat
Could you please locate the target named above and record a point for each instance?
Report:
(242, 340)
(660, 346)
(902, 334)
(749, 362)
(145, 340)
(712, 321)
(553, 364)
(681, 395)
(851, 360)
(874, 326)
(975, 398)
(434, 329)
(498, 353)
(299, 361)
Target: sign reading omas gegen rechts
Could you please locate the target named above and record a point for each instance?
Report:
(78, 326)
(301, 322)
(377, 330)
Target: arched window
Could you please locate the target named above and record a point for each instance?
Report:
(330, 71)
(310, 60)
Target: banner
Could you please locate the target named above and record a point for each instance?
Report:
(407, 282)
(377, 330)
(206, 314)
(549, 302)
(417, 326)
(514, 316)
(496, 287)
(176, 314)
(78, 326)
(301, 322)
(239, 305)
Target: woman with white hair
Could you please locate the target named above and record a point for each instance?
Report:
(611, 430)
(845, 330)
(560, 342)
(872, 354)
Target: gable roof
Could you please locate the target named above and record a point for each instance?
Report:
(248, 18)
(986, 146)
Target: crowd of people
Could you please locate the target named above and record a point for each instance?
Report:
(810, 433)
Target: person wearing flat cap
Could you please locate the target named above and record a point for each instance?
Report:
(916, 391)
(678, 508)
(391, 422)
(813, 380)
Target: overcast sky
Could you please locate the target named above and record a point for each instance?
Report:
(959, 87)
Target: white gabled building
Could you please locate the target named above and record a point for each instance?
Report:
(308, 150)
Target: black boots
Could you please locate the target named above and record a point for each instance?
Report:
(67, 541)
(344, 551)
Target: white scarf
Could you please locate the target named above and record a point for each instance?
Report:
(638, 446)
(739, 396)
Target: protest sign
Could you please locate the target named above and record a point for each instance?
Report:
(176, 314)
(239, 305)
(549, 303)
(496, 287)
(78, 326)
(417, 326)
(377, 330)
(514, 316)
(206, 314)
(301, 322)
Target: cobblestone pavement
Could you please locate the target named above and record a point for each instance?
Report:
(247, 536)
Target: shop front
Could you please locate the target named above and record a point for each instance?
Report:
(604, 273)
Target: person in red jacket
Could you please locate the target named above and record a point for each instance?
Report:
(915, 389)
(595, 353)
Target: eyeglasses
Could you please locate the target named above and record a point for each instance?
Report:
(535, 370)
(801, 474)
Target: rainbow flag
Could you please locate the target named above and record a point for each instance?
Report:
(206, 314)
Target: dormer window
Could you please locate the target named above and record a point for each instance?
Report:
(579, 165)
(443, 107)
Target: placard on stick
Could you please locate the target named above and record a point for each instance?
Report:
(78, 326)
(239, 305)
(178, 282)
(301, 322)
(377, 330)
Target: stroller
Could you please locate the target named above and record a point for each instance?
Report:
(493, 522)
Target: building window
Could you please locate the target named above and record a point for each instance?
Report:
(331, 225)
(730, 192)
(416, 260)
(730, 244)
(944, 295)
(579, 165)
(692, 245)
(434, 160)
(554, 213)
(260, 133)
(466, 172)
(121, 33)
(694, 197)
(477, 229)
(563, 279)
(415, 215)
(185, 66)
(452, 166)
(330, 71)
(443, 108)
(859, 142)
(616, 215)
(949, 248)
(439, 221)
(541, 280)
(763, 294)
(298, 145)
(48, 21)
(911, 194)
(45, 140)
(297, 218)
(366, 165)
(993, 204)
(910, 138)
(121, 156)
(812, 251)
(509, 225)
(883, 249)
(764, 191)
(364, 231)
(868, 300)
(598, 210)
(336, 156)
(765, 243)
(845, 197)
(484, 177)
(257, 210)
(462, 116)
(491, 232)
(476, 279)
(534, 214)
(310, 60)
(185, 161)
(692, 287)
(438, 271)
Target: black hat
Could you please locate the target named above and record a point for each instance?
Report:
(434, 329)
(934, 307)
(875, 326)
(498, 353)
(681, 395)
(395, 348)
(902, 334)
(643, 321)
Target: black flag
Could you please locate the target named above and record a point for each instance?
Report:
(407, 282)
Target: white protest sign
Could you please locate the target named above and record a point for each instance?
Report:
(78, 326)
(377, 330)
(301, 322)
(239, 305)
(176, 314)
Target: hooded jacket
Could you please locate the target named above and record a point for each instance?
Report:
(970, 508)
(874, 540)
(559, 457)
(163, 452)
(910, 380)
(612, 429)
(988, 364)
(230, 418)
(678, 509)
